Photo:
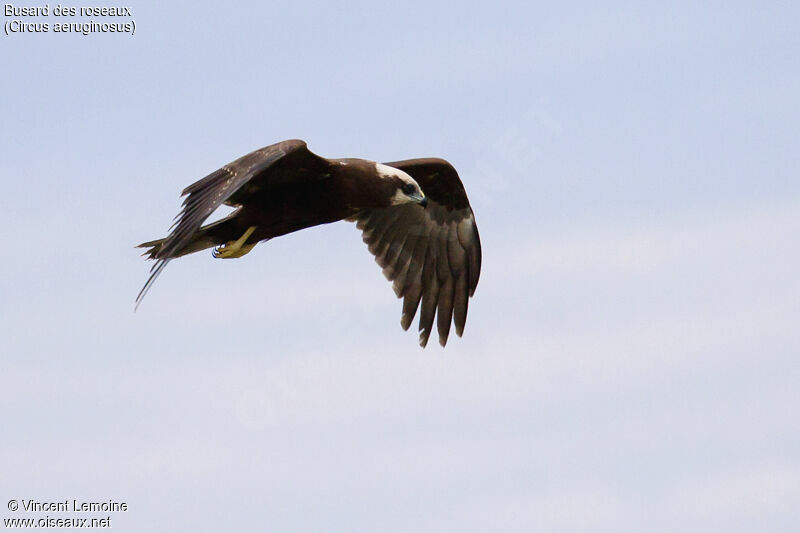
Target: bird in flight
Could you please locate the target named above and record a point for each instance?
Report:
(414, 216)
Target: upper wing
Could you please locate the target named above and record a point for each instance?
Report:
(432, 254)
(229, 184)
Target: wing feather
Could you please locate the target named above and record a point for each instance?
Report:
(387, 219)
(385, 247)
(444, 310)
(393, 254)
(411, 299)
(460, 302)
(430, 297)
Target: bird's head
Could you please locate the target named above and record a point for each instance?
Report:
(407, 190)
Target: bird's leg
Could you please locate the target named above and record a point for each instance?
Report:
(237, 248)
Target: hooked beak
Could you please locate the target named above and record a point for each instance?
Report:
(421, 199)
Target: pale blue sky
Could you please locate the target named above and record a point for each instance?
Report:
(630, 357)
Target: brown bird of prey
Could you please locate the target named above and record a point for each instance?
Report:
(414, 216)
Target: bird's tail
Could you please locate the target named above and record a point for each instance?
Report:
(197, 244)
(206, 237)
(154, 247)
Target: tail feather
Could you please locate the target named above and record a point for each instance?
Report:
(209, 236)
(200, 242)
(154, 246)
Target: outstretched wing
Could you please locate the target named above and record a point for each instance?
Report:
(433, 254)
(230, 184)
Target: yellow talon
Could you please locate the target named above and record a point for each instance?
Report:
(237, 248)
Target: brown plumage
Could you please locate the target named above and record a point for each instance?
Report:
(414, 215)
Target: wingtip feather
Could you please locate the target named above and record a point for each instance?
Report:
(423, 338)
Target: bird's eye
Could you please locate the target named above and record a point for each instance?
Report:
(409, 188)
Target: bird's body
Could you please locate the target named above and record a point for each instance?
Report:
(282, 188)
